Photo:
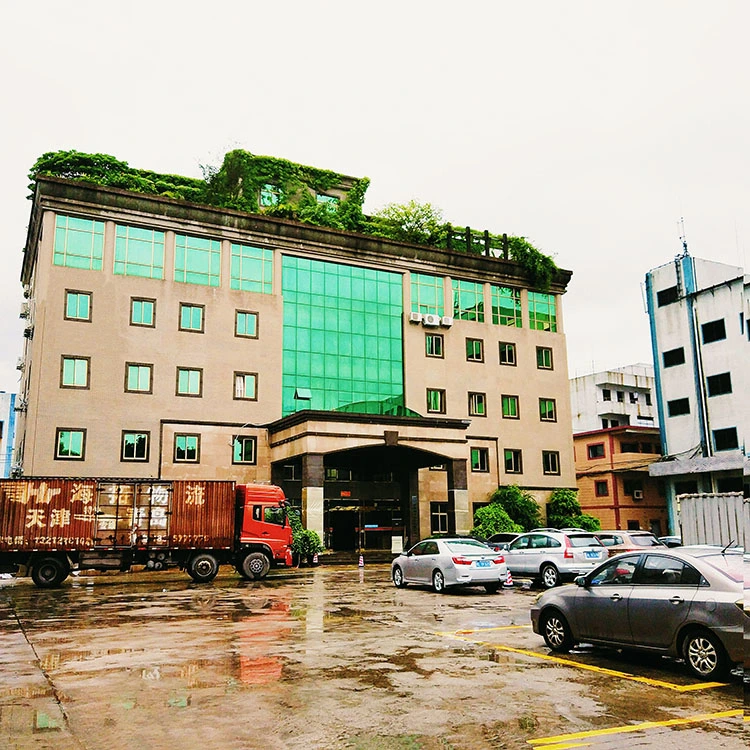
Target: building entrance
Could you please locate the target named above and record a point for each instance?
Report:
(359, 524)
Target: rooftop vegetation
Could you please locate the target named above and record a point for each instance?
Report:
(277, 187)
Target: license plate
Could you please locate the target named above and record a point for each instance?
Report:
(592, 554)
(483, 563)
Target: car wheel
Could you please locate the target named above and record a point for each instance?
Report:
(398, 578)
(492, 588)
(549, 575)
(255, 566)
(438, 582)
(704, 655)
(556, 632)
(49, 572)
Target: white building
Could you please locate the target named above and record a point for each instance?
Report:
(614, 398)
(699, 314)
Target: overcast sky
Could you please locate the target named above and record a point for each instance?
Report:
(590, 128)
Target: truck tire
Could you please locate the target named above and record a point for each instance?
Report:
(49, 572)
(203, 568)
(255, 566)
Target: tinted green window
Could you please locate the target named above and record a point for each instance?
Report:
(510, 407)
(506, 306)
(135, 446)
(78, 243)
(542, 312)
(139, 252)
(252, 269)
(246, 324)
(427, 294)
(246, 385)
(70, 444)
(543, 358)
(186, 448)
(142, 312)
(78, 306)
(468, 300)
(197, 260)
(269, 195)
(244, 450)
(191, 318)
(547, 410)
(342, 338)
(188, 382)
(75, 372)
(139, 378)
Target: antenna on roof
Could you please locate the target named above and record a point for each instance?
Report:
(683, 238)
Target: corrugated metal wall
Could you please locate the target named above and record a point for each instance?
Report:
(714, 518)
(202, 514)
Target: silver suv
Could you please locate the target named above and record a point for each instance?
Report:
(554, 556)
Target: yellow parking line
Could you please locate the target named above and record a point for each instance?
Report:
(487, 630)
(547, 743)
(591, 667)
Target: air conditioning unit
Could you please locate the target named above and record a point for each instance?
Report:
(20, 363)
(20, 405)
(26, 291)
(446, 322)
(24, 313)
(28, 332)
(430, 320)
(415, 317)
(637, 494)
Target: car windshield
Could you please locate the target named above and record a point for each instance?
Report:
(584, 540)
(467, 546)
(644, 540)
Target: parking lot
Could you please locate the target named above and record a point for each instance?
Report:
(328, 657)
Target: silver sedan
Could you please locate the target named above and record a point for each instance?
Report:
(448, 561)
(684, 603)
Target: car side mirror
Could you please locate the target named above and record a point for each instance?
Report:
(580, 581)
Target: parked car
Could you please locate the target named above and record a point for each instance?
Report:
(671, 541)
(663, 601)
(617, 541)
(501, 540)
(450, 561)
(553, 556)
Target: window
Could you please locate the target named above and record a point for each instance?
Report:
(427, 294)
(246, 385)
(433, 344)
(142, 312)
(726, 439)
(506, 306)
(633, 397)
(191, 317)
(480, 459)
(187, 449)
(678, 407)
(135, 446)
(547, 410)
(74, 372)
(477, 405)
(719, 384)
(606, 394)
(647, 396)
(78, 243)
(244, 449)
(77, 305)
(513, 464)
(139, 252)
(667, 296)
(713, 331)
(439, 518)
(189, 382)
(436, 400)
(666, 571)
(246, 324)
(474, 350)
(197, 260)
(270, 195)
(329, 201)
(631, 486)
(510, 407)
(673, 357)
(595, 450)
(628, 447)
(70, 444)
(251, 269)
(542, 312)
(544, 358)
(138, 377)
(507, 353)
(601, 489)
(468, 300)
(551, 462)
(620, 397)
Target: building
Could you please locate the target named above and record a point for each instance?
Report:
(387, 387)
(612, 473)
(699, 313)
(7, 431)
(610, 398)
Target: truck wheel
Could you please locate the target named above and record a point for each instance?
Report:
(255, 566)
(203, 568)
(49, 572)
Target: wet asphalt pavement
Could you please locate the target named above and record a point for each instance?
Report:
(328, 657)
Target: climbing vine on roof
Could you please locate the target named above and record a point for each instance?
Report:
(301, 193)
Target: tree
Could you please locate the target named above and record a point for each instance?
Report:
(491, 519)
(521, 506)
(420, 223)
(564, 510)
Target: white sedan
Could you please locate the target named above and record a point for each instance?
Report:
(450, 561)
